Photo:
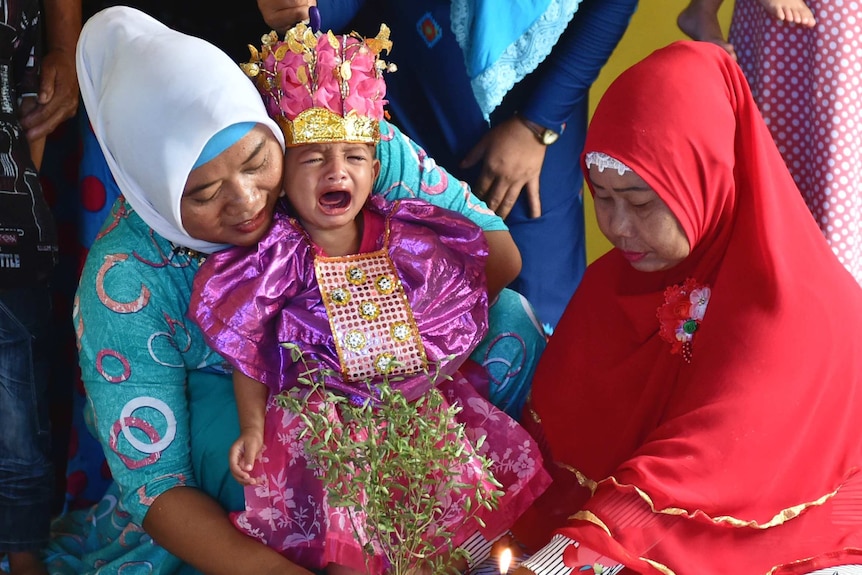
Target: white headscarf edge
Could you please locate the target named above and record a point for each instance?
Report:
(154, 97)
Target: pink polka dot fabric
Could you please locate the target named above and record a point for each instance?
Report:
(808, 85)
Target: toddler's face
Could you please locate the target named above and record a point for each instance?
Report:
(328, 184)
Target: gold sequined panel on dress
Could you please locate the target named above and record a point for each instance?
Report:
(371, 320)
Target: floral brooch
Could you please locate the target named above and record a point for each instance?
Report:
(681, 315)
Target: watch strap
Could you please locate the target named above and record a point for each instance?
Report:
(542, 134)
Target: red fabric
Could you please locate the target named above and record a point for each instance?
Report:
(373, 228)
(767, 415)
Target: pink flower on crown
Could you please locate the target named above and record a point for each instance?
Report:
(295, 94)
(366, 85)
(328, 93)
(310, 72)
(338, 73)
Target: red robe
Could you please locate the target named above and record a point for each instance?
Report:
(747, 459)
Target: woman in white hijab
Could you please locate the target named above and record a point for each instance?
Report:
(198, 163)
(163, 105)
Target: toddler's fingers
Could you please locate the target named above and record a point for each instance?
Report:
(239, 475)
(249, 456)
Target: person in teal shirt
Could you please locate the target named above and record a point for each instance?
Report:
(159, 400)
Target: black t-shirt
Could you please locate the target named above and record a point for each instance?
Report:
(28, 238)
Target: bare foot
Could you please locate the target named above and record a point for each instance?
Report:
(26, 563)
(701, 23)
(790, 11)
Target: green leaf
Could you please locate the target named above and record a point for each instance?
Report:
(393, 460)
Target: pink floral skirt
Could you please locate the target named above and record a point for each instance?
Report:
(288, 508)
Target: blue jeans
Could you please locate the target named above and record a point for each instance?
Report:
(26, 470)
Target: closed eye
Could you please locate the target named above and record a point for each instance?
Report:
(200, 196)
(258, 167)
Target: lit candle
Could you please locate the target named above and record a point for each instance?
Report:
(505, 560)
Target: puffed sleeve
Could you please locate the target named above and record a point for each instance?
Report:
(240, 294)
(440, 257)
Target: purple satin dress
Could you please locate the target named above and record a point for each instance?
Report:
(249, 300)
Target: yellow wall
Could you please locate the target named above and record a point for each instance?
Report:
(653, 25)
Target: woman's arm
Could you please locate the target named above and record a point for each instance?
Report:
(504, 262)
(576, 60)
(192, 526)
(135, 346)
(406, 171)
(37, 145)
(58, 91)
(510, 156)
(26, 73)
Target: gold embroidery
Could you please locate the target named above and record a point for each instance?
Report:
(778, 519)
(355, 275)
(374, 332)
(590, 517)
(662, 568)
(384, 363)
(582, 479)
(355, 340)
(339, 296)
(385, 284)
(847, 550)
(400, 331)
(531, 410)
(369, 311)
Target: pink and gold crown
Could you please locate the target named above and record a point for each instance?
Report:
(322, 87)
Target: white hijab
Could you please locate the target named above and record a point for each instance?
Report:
(155, 97)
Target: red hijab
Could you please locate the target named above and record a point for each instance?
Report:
(746, 458)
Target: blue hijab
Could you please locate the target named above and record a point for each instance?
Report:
(502, 46)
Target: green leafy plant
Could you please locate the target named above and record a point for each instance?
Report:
(395, 466)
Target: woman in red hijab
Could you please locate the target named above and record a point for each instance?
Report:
(701, 399)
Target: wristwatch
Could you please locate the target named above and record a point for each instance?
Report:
(546, 136)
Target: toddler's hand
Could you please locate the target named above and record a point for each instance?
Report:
(242, 456)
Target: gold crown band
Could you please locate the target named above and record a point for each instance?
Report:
(321, 126)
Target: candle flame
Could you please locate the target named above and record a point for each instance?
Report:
(505, 560)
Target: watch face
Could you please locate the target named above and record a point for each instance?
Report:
(549, 137)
